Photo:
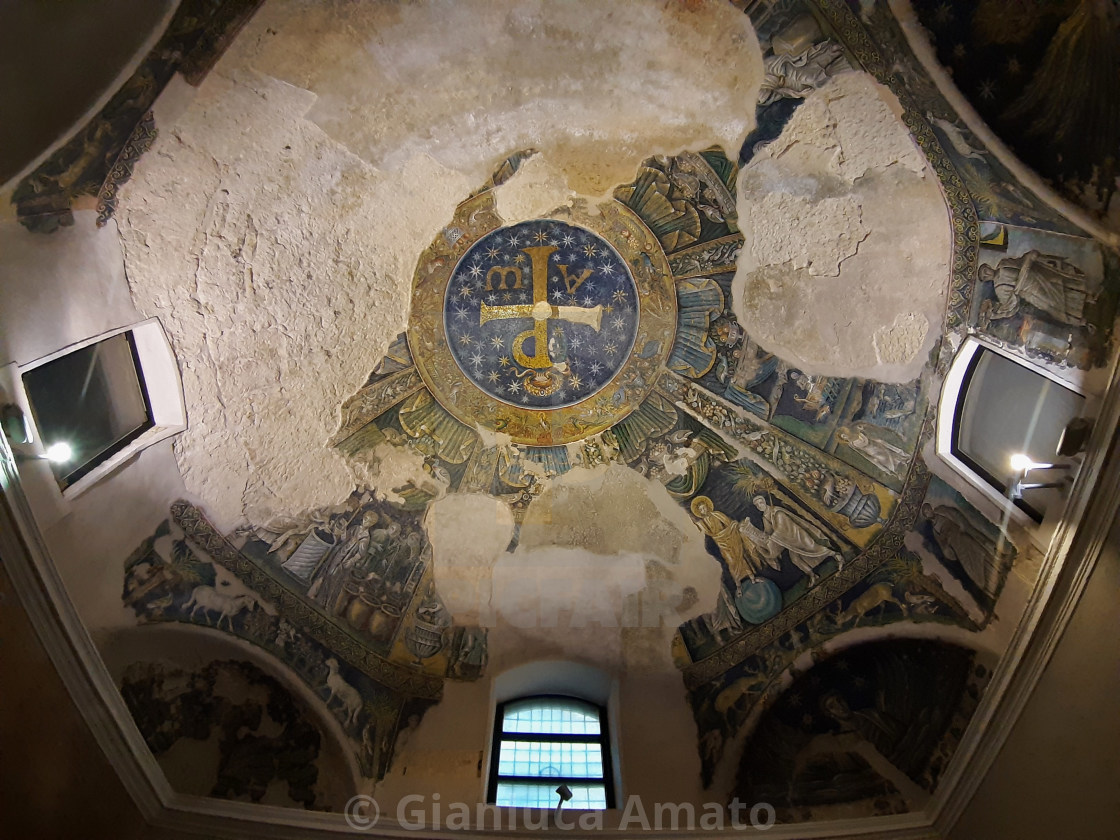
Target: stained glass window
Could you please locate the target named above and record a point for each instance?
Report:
(543, 742)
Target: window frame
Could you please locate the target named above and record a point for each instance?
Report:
(980, 487)
(71, 477)
(163, 389)
(602, 739)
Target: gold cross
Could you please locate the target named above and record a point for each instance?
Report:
(541, 310)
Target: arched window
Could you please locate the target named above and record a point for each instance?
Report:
(544, 741)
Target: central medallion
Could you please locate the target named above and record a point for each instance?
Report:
(541, 314)
(547, 331)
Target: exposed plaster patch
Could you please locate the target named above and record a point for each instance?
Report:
(280, 265)
(605, 559)
(779, 220)
(903, 340)
(843, 230)
(847, 129)
(469, 534)
(594, 86)
(607, 568)
(389, 468)
(535, 190)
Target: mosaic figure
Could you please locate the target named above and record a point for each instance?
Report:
(796, 76)
(808, 546)
(961, 541)
(727, 536)
(1047, 282)
(886, 456)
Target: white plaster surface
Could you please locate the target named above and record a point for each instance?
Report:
(60, 289)
(275, 225)
(599, 575)
(844, 228)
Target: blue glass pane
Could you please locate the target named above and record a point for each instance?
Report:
(551, 717)
(527, 795)
(541, 758)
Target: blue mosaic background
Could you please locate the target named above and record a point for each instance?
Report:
(584, 271)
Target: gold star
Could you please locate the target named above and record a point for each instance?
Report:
(504, 361)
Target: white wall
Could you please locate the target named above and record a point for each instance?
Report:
(58, 289)
(1058, 775)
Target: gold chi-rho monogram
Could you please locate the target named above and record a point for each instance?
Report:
(540, 310)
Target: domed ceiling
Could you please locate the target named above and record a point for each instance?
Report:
(596, 332)
(1040, 74)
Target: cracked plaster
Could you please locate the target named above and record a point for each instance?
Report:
(275, 225)
(844, 228)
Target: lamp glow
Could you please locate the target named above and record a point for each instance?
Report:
(1021, 462)
(59, 453)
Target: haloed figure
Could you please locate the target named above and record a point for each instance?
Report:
(727, 536)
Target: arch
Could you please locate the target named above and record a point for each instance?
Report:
(885, 716)
(192, 647)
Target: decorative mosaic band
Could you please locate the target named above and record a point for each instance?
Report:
(715, 257)
(966, 226)
(299, 612)
(777, 450)
(374, 400)
(138, 142)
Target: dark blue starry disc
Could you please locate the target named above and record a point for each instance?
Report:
(541, 314)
